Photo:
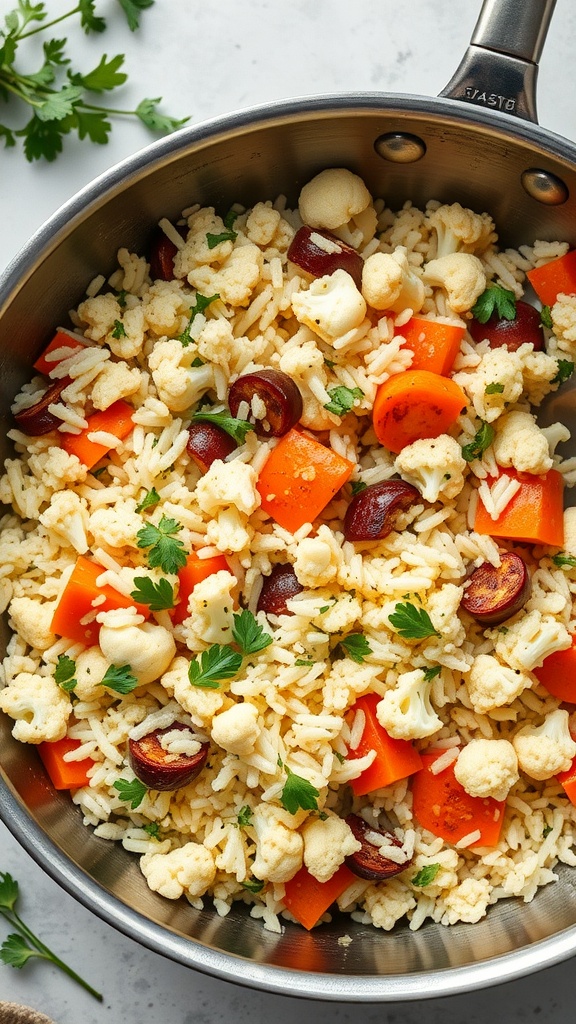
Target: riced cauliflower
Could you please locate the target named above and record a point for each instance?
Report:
(546, 749)
(487, 768)
(434, 465)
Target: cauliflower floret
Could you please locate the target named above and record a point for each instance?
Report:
(228, 484)
(315, 565)
(443, 606)
(461, 275)
(235, 279)
(189, 869)
(531, 639)
(210, 608)
(389, 282)
(67, 517)
(388, 902)
(520, 443)
(56, 468)
(538, 371)
(501, 372)
(99, 314)
(229, 531)
(148, 649)
(546, 749)
(492, 685)
(570, 530)
(196, 250)
(116, 526)
(343, 684)
(468, 901)
(114, 381)
(338, 200)
(331, 307)
(279, 848)
(217, 344)
(179, 384)
(164, 304)
(487, 768)
(262, 223)
(41, 709)
(406, 712)
(563, 315)
(304, 362)
(434, 465)
(91, 666)
(200, 704)
(326, 845)
(32, 619)
(237, 729)
(461, 230)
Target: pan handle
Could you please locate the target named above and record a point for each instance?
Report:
(500, 67)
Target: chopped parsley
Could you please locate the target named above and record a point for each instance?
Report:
(236, 428)
(253, 885)
(482, 440)
(546, 317)
(119, 330)
(215, 664)
(357, 486)
(248, 633)
(565, 371)
(426, 875)
(411, 622)
(495, 299)
(65, 672)
(120, 679)
(245, 816)
(298, 793)
(494, 389)
(159, 596)
(150, 499)
(132, 792)
(213, 240)
(165, 550)
(152, 828)
(201, 303)
(356, 647)
(563, 561)
(342, 399)
(431, 672)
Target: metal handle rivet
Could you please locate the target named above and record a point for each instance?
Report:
(544, 187)
(400, 147)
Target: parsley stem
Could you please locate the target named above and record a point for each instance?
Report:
(45, 952)
(48, 24)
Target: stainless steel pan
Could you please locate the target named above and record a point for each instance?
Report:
(478, 143)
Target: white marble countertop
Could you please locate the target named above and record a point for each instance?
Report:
(208, 59)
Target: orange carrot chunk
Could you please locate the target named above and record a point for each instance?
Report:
(535, 515)
(443, 806)
(116, 420)
(435, 345)
(76, 603)
(558, 277)
(195, 570)
(299, 478)
(64, 774)
(567, 780)
(307, 899)
(415, 404)
(60, 340)
(395, 759)
(558, 673)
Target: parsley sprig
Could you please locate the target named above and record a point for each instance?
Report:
(132, 792)
(495, 299)
(166, 551)
(481, 441)
(426, 875)
(564, 561)
(120, 679)
(565, 371)
(297, 793)
(221, 661)
(202, 302)
(23, 945)
(411, 622)
(235, 427)
(159, 596)
(59, 98)
(65, 673)
(342, 399)
(356, 646)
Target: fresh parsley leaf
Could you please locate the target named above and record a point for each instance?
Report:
(248, 633)
(236, 428)
(482, 440)
(411, 622)
(132, 9)
(9, 891)
(120, 679)
(495, 299)
(356, 647)
(7, 135)
(339, 757)
(213, 240)
(426, 875)
(494, 389)
(152, 118)
(42, 139)
(165, 550)
(216, 663)
(298, 793)
(94, 126)
(357, 486)
(105, 76)
(89, 21)
(546, 831)
(431, 672)
(546, 317)
(342, 399)
(229, 219)
(132, 792)
(245, 815)
(64, 673)
(201, 303)
(253, 885)
(565, 371)
(150, 499)
(301, 662)
(59, 105)
(152, 828)
(15, 951)
(119, 330)
(563, 561)
(158, 596)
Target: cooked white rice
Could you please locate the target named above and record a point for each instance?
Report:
(299, 690)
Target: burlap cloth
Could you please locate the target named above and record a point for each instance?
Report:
(12, 1013)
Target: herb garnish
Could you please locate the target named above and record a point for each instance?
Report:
(64, 673)
(411, 622)
(546, 317)
(245, 815)
(494, 389)
(132, 792)
(495, 299)
(253, 885)
(119, 330)
(166, 551)
(58, 97)
(342, 399)
(225, 236)
(426, 875)
(201, 303)
(482, 440)
(563, 561)
(236, 428)
(213, 665)
(120, 679)
(298, 792)
(565, 371)
(356, 647)
(431, 672)
(248, 633)
(150, 499)
(157, 595)
(23, 945)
